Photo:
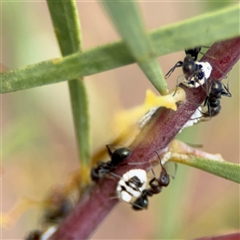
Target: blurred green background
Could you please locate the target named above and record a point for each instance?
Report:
(38, 143)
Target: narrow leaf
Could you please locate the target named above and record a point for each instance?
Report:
(223, 169)
(212, 163)
(201, 30)
(131, 28)
(67, 28)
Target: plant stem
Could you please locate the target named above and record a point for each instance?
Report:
(97, 203)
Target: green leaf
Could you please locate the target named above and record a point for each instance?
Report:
(201, 30)
(230, 171)
(212, 163)
(67, 28)
(131, 28)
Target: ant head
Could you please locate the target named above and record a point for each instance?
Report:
(119, 155)
(95, 174)
(193, 52)
(164, 178)
(216, 87)
(189, 66)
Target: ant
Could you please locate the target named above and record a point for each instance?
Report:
(196, 73)
(34, 235)
(38, 235)
(58, 207)
(103, 168)
(156, 185)
(212, 101)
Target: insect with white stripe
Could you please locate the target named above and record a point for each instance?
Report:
(131, 185)
(156, 185)
(58, 206)
(38, 235)
(132, 188)
(196, 73)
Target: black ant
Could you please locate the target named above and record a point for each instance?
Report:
(58, 207)
(34, 235)
(54, 215)
(212, 101)
(156, 185)
(193, 52)
(103, 168)
(196, 73)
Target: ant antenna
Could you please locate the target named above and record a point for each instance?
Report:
(163, 168)
(227, 94)
(115, 175)
(177, 85)
(175, 172)
(109, 150)
(160, 161)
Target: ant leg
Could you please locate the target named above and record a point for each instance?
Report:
(109, 150)
(175, 172)
(227, 93)
(114, 175)
(178, 64)
(208, 112)
(163, 169)
(137, 163)
(176, 86)
(114, 197)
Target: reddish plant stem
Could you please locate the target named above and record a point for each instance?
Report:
(156, 135)
(231, 236)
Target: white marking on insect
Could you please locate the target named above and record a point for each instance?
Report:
(50, 231)
(200, 77)
(131, 185)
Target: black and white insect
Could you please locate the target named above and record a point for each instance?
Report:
(156, 185)
(57, 207)
(38, 235)
(131, 185)
(55, 214)
(132, 188)
(216, 90)
(102, 168)
(196, 73)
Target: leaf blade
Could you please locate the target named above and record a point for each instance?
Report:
(68, 34)
(133, 32)
(227, 170)
(115, 55)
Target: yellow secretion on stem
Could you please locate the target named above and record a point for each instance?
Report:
(129, 117)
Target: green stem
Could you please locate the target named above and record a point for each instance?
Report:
(67, 28)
